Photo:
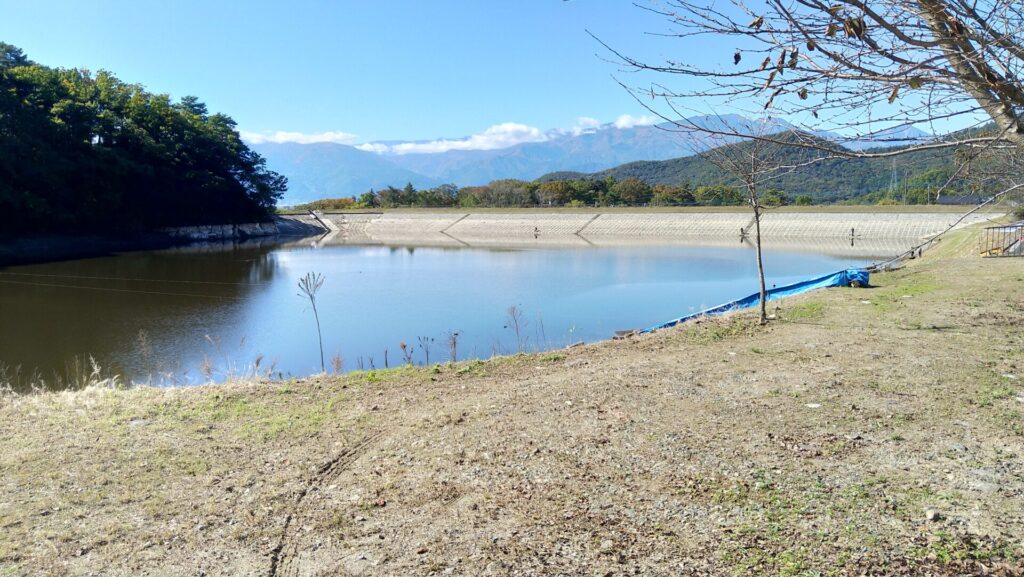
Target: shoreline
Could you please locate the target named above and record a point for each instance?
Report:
(876, 228)
(55, 247)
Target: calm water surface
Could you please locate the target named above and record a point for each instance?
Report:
(193, 315)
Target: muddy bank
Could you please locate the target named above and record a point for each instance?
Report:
(864, 431)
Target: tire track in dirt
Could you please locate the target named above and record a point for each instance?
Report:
(287, 546)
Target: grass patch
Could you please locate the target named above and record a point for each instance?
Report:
(709, 331)
(805, 311)
(905, 286)
(252, 417)
(989, 394)
(473, 367)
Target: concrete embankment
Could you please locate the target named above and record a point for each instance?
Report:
(34, 249)
(868, 232)
(222, 231)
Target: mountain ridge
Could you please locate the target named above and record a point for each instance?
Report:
(330, 170)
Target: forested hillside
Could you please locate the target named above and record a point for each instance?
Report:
(85, 152)
(825, 181)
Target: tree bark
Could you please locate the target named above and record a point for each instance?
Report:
(971, 71)
(760, 265)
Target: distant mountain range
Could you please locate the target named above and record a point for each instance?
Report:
(328, 170)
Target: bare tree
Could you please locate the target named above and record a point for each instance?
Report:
(859, 70)
(860, 67)
(753, 165)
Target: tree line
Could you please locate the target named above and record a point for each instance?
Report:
(604, 192)
(85, 152)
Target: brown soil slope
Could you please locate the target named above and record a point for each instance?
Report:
(874, 431)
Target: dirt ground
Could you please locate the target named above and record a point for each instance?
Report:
(864, 431)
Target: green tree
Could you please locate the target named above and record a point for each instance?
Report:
(718, 195)
(369, 199)
(84, 152)
(633, 191)
(408, 196)
(11, 56)
(671, 195)
(772, 198)
(554, 193)
(584, 191)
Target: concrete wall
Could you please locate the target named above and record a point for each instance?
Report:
(875, 234)
(222, 231)
(492, 226)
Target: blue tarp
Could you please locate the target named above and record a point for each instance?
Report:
(841, 278)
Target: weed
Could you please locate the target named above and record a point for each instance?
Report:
(989, 394)
(453, 345)
(309, 285)
(469, 367)
(805, 311)
(716, 330)
(407, 352)
(517, 324)
(425, 344)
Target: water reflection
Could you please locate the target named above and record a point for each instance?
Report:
(208, 311)
(137, 314)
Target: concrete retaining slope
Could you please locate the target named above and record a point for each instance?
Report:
(874, 234)
(775, 225)
(222, 231)
(493, 227)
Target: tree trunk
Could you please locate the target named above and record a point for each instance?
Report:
(760, 265)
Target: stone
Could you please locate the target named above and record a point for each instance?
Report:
(984, 487)
(932, 515)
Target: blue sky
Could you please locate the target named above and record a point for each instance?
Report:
(366, 70)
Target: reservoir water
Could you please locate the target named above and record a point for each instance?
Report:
(207, 313)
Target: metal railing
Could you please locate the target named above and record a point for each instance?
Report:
(1007, 240)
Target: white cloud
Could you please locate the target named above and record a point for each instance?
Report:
(298, 137)
(585, 124)
(629, 121)
(498, 136)
(374, 147)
